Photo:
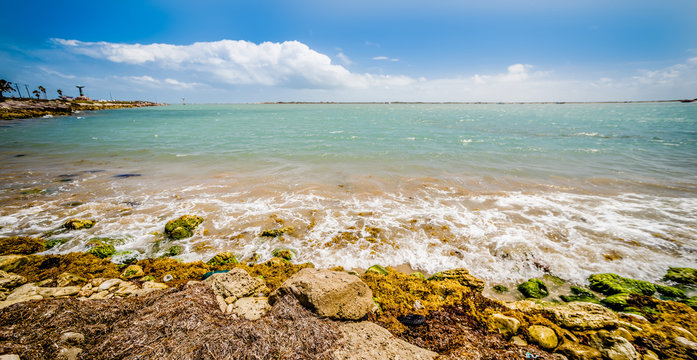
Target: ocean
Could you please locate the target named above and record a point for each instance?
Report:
(508, 191)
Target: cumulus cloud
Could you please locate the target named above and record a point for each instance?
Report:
(344, 59)
(287, 64)
(380, 58)
(148, 80)
(516, 73)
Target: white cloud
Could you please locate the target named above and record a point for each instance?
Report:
(56, 73)
(516, 73)
(344, 59)
(289, 64)
(380, 58)
(152, 82)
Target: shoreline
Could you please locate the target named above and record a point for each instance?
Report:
(12, 108)
(612, 315)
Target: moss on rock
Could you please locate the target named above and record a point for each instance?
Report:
(616, 301)
(377, 269)
(222, 258)
(101, 249)
(533, 288)
(173, 251)
(182, 227)
(287, 254)
(462, 276)
(78, 224)
(51, 243)
(670, 291)
(500, 289)
(611, 284)
(682, 275)
(277, 232)
(21, 245)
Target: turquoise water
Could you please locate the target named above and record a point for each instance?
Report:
(494, 188)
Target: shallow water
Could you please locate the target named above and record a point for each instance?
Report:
(507, 191)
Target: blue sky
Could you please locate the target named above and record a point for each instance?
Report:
(249, 51)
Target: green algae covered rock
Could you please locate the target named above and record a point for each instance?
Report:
(670, 291)
(691, 302)
(222, 258)
(287, 254)
(580, 294)
(462, 276)
(611, 284)
(500, 289)
(101, 250)
(183, 227)
(685, 276)
(418, 275)
(51, 243)
(533, 288)
(133, 271)
(616, 301)
(78, 224)
(173, 251)
(277, 232)
(377, 269)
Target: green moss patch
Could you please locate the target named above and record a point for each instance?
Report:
(686, 276)
(611, 284)
(182, 227)
(533, 288)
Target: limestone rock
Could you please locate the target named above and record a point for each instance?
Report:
(9, 281)
(23, 293)
(68, 279)
(333, 294)
(368, 341)
(236, 283)
(518, 341)
(57, 292)
(582, 316)
(543, 336)
(505, 325)
(72, 338)
(133, 271)
(126, 288)
(686, 343)
(9, 357)
(613, 347)
(11, 263)
(106, 285)
(154, 285)
(69, 354)
(576, 351)
(98, 295)
(250, 308)
(462, 276)
(86, 290)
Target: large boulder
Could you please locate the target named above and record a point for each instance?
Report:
(234, 284)
(576, 351)
(533, 288)
(504, 325)
(10, 281)
(613, 347)
(543, 336)
(182, 227)
(687, 276)
(333, 294)
(367, 341)
(582, 316)
(462, 276)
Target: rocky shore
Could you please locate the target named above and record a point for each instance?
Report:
(31, 108)
(85, 306)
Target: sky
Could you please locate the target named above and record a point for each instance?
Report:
(209, 51)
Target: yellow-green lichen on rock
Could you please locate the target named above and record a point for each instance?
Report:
(182, 227)
(610, 284)
(222, 258)
(78, 224)
(533, 288)
(277, 232)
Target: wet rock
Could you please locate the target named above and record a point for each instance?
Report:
(366, 341)
(126, 289)
(333, 294)
(462, 276)
(613, 347)
(173, 251)
(23, 293)
(222, 258)
(72, 353)
(101, 249)
(250, 308)
(58, 292)
(236, 283)
(182, 227)
(582, 316)
(576, 351)
(108, 284)
(277, 232)
(68, 279)
(616, 302)
(685, 276)
(154, 285)
(377, 269)
(78, 224)
(691, 302)
(72, 338)
(86, 291)
(503, 324)
(128, 175)
(167, 278)
(412, 319)
(10, 263)
(500, 289)
(686, 343)
(9, 357)
(133, 271)
(543, 336)
(670, 292)
(533, 288)
(9, 281)
(287, 254)
(518, 341)
(610, 284)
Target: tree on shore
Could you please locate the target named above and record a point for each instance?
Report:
(60, 92)
(43, 90)
(36, 93)
(5, 86)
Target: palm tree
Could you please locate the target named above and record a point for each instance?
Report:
(43, 90)
(60, 92)
(36, 93)
(5, 86)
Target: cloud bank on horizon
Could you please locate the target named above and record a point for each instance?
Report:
(294, 66)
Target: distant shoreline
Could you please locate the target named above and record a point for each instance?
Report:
(470, 102)
(13, 108)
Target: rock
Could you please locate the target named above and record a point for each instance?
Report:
(287, 254)
(72, 338)
(367, 341)
(624, 333)
(78, 224)
(691, 302)
(101, 249)
(11, 263)
(533, 288)
(222, 258)
(68, 279)
(106, 285)
(543, 336)
(154, 285)
(518, 341)
(333, 294)
(23, 293)
(462, 276)
(173, 250)
(610, 284)
(503, 324)
(133, 271)
(582, 316)
(236, 283)
(277, 232)
(500, 289)
(103, 294)
(69, 354)
(613, 347)
(686, 343)
(167, 278)
(616, 302)
(182, 227)
(9, 357)
(649, 355)
(9, 281)
(576, 351)
(670, 291)
(98, 281)
(126, 288)
(250, 308)
(686, 276)
(57, 292)
(86, 291)
(377, 269)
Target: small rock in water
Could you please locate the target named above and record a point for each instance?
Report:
(412, 319)
(127, 175)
